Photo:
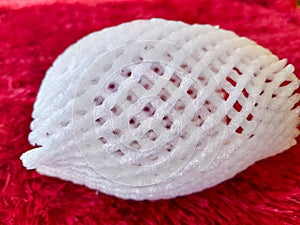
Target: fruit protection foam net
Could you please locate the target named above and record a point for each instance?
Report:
(31, 39)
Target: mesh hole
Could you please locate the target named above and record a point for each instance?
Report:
(151, 135)
(285, 83)
(169, 147)
(185, 67)
(223, 93)
(167, 122)
(146, 83)
(203, 80)
(98, 100)
(232, 82)
(119, 153)
(179, 106)
(100, 121)
(102, 140)
(149, 109)
(227, 120)
(175, 79)
(116, 110)
(245, 93)
(237, 106)
(135, 144)
(209, 106)
(157, 68)
(249, 117)
(131, 97)
(117, 132)
(239, 130)
(197, 120)
(164, 95)
(192, 92)
(268, 81)
(237, 71)
(113, 87)
(126, 73)
(134, 122)
(294, 106)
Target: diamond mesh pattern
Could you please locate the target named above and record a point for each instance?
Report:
(155, 109)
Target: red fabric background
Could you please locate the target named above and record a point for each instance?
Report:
(30, 40)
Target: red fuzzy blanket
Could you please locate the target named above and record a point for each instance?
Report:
(30, 40)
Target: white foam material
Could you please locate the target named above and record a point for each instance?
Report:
(155, 109)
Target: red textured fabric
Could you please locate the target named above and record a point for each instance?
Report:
(30, 40)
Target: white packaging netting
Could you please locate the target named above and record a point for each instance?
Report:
(155, 109)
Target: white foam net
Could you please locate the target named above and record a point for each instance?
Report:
(160, 108)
